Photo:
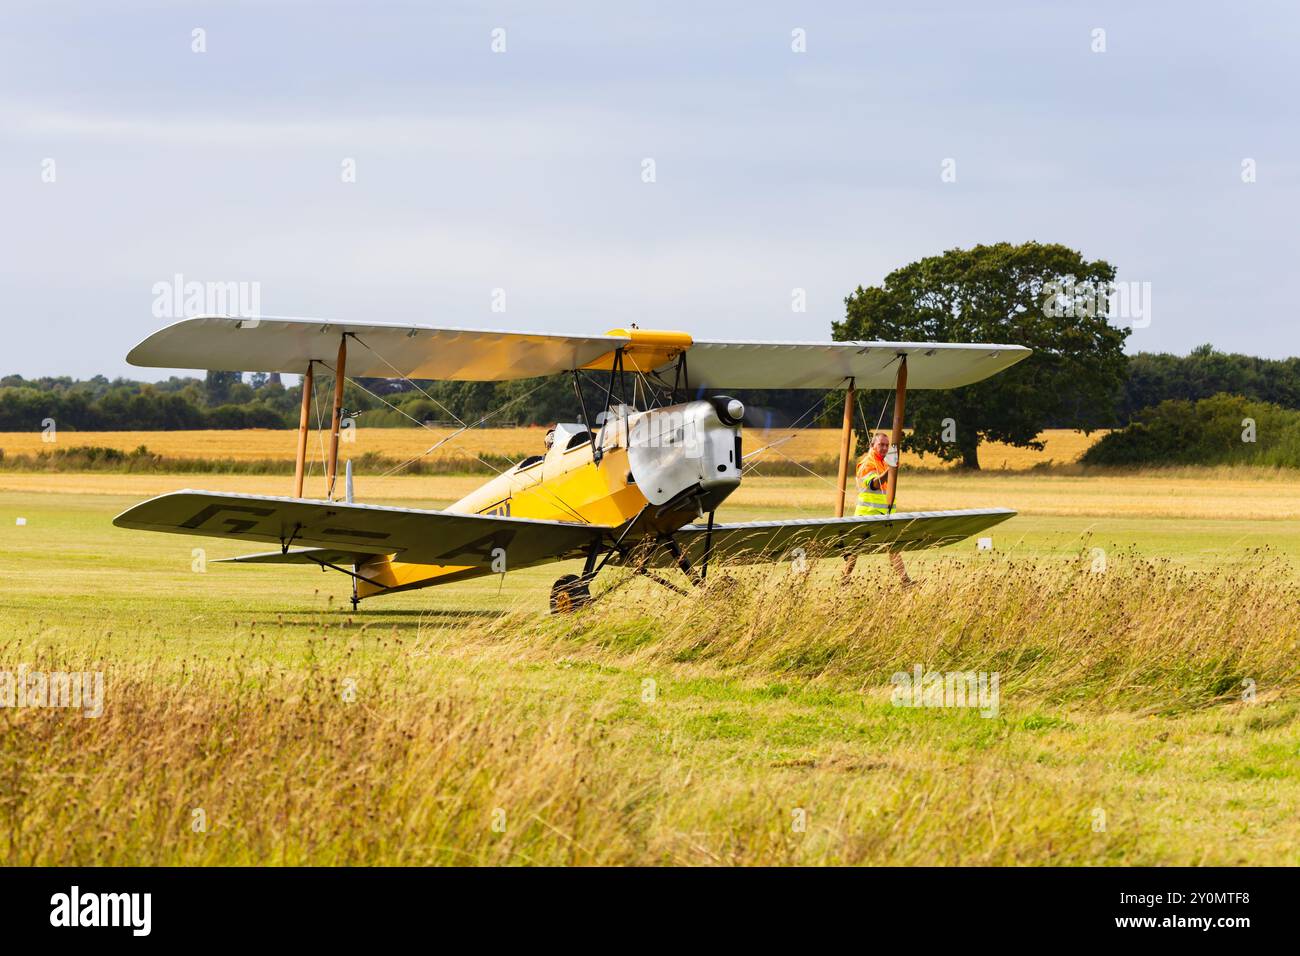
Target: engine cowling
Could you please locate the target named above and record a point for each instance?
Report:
(693, 448)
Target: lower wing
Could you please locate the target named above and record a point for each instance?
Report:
(757, 541)
(341, 532)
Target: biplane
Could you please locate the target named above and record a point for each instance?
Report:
(636, 485)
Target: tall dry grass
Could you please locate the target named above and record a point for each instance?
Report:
(1113, 630)
(286, 771)
(287, 774)
(468, 743)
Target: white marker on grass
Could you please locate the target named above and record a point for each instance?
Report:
(20, 522)
(984, 544)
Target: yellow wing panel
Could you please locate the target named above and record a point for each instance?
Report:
(643, 349)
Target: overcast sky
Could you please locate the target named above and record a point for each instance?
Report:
(524, 170)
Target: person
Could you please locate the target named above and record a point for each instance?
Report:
(873, 479)
(873, 495)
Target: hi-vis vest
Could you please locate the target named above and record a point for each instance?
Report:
(870, 502)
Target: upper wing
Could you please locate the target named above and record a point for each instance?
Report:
(422, 537)
(756, 541)
(384, 350)
(378, 350)
(718, 365)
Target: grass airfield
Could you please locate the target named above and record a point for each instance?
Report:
(750, 723)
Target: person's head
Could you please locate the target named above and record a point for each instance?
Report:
(880, 443)
(549, 440)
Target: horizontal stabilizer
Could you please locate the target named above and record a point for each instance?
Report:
(314, 556)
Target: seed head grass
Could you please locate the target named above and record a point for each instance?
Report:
(751, 722)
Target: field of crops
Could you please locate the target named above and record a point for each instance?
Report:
(1146, 649)
(810, 445)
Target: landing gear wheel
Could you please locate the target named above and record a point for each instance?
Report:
(568, 594)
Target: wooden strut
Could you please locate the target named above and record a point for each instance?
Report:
(846, 438)
(896, 436)
(340, 372)
(304, 419)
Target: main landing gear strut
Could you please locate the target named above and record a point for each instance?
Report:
(573, 591)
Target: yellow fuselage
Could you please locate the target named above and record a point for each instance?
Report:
(565, 485)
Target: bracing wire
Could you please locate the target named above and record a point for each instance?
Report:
(647, 388)
(407, 379)
(750, 466)
(795, 427)
(883, 408)
(541, 488)
(457, 433)
(402, 411)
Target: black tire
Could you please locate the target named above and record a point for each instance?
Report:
(568, 594)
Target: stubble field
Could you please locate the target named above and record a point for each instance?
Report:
(806, 445)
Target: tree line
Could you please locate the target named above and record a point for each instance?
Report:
(1220, 430)
(229, 400)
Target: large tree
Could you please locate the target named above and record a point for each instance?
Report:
(1045, 296)
(217, 386)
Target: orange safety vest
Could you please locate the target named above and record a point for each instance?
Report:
(871, 467)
